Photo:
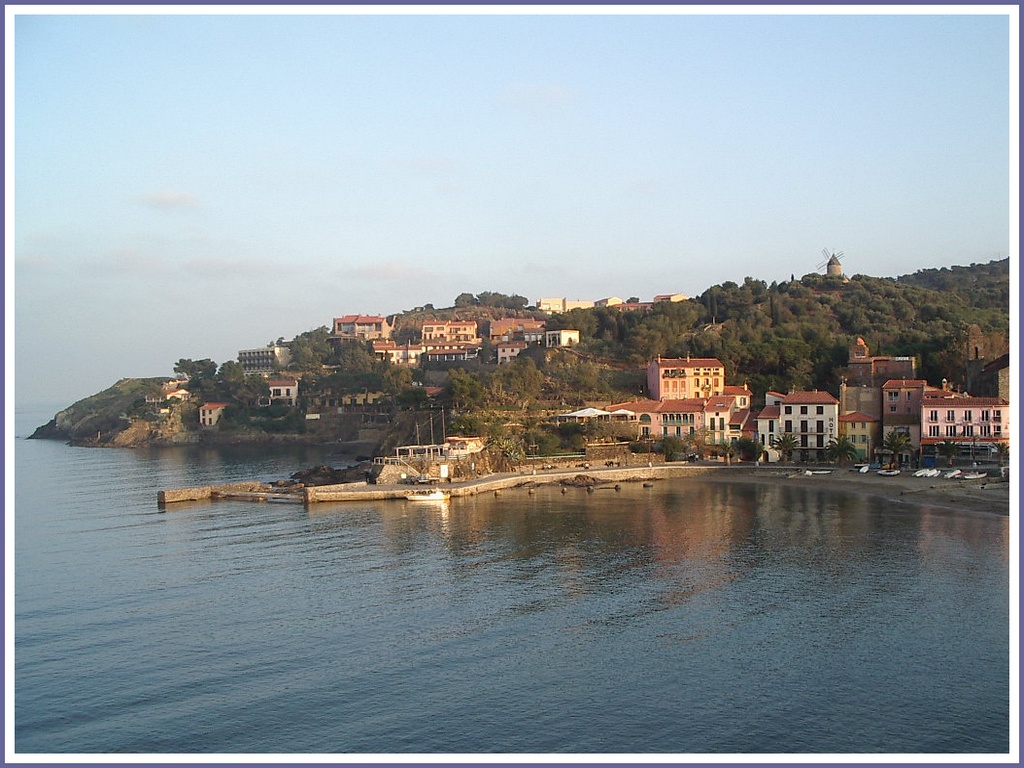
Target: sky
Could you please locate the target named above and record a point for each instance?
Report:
(186, 186)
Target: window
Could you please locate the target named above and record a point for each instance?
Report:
(968, 430)
(803, 426)
(789, 425)
(820, 409)
(908, 397)
(820, 426)
(997, 416)
(789, 409)
(892, 396)
(771, 426)
(892, 409)
(968, 416)
(950, 415)
(986, 430)
(933, 431)
(985, 416)
(933, 415)
(951, 430)
(803, 410)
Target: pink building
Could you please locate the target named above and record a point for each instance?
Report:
(977, 424)
(681, 378)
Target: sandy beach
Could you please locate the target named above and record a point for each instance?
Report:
(988, 495)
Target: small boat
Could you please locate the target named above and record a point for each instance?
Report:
(888, 472)
(434, 495)
(819, 471)
(864, 470)
(934, 472)
(953, 473)
(923, 473)
(973, 475)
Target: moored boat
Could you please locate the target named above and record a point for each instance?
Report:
(432, 495)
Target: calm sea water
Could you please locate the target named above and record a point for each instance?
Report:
(684, 618)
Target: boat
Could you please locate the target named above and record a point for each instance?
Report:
(888, 472)
(433, 495)
(953, 473)
(923, 473)
(819, 471)
(973, 475)
(864, 469)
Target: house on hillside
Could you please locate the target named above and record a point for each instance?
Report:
(361, 328)
(210, 413)
(681, 378)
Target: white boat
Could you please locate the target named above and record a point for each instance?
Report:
(864, 469)
(434, 495)
(923, 473)
(888, 472)
(953, 473)
(973, 475)
(819, 471)
(934, 472)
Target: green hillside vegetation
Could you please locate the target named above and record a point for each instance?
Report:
(790, 335)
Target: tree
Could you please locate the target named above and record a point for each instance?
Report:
(196, 369)
(841, 450)
(785, 444)
(949, 449)
(896, 444)
(464, 390)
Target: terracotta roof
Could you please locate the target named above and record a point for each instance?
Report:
(960, 401)
(857, 416)
(905, 383)
(214, 405)
(740, 417)
(809, 398)
(359, 319)
(735, 389)
(718, 403)
(770, 412)
(684, 405)
(689, 362)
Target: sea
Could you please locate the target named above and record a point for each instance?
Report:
(679, 619)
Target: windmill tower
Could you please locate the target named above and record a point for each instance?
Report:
(833, 267)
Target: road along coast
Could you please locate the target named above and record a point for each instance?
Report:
(989, 495)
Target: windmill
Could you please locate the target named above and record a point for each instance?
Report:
(831, 264)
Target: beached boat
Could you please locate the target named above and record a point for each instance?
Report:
(953, 473)
(923, 473)
(819, 471)
(888, 472)
(864, 469)
(433, 495)
(973, 475)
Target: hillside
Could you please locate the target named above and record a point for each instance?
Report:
(794, 334)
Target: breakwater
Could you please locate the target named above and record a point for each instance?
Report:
(362, 491)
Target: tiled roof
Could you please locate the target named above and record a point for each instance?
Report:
(960, 401)
(770, 412)
(809, 398)
(905, 383)
(857, 416)
(691, 362)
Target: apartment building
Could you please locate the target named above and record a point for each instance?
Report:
(361, 328)
(264, 360)
(681, 378)
(864, 431)
(813, 417)
(408, 355)
(977, 424)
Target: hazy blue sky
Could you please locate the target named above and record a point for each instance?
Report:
(188, 186)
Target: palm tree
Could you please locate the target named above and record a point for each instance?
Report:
(785, 444)
(727, 449)
(841, 450)
(949, 449)
(896, 443)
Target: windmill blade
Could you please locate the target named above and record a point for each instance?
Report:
(826, 254)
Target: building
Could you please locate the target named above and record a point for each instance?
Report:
(865, 369)
(284, 391)
(264, 360)
(509, 350)
(682, 378)
(768, 430)
(516, 329)
(813, 417)
(361, 328)
(441, 332)
(864, 431)
(901, 407)
(408, 355)
(562, 305)
(670, 297)
(563, 338)
(979, 425)
(210, 413)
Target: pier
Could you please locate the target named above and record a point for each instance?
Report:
(362, 491)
